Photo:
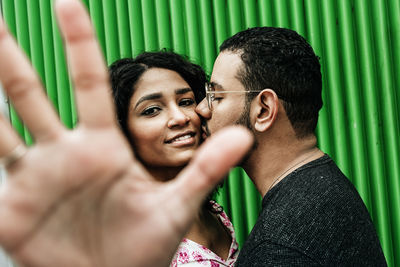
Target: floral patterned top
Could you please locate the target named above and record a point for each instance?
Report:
(190, 253)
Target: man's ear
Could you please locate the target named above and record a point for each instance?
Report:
(265, 110)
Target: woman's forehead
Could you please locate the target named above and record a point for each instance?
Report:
(159, 79)
(156, 83)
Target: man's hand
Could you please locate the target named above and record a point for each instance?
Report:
(79, 198)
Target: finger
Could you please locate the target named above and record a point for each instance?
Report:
(9, 139)
(87, 66)
(23, 87)
(213, 160)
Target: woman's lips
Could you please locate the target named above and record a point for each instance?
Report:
(183, 140)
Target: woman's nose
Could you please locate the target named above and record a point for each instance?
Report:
(177, 118)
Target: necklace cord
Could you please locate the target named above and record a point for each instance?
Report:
(291, 167)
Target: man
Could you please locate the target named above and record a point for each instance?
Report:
(269, 80)
(79, 198)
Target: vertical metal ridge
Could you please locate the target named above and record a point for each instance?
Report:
(35, 37)
(220, 22)
(64, 89)
(351, 82)
(281, 10)
(111, 31)
(373, 120)
(207, 35)
(252, 200)
(236, 198)
(10, 18)
(122, 13)
(389, 111)
(177, 25)
(235, 17)
(96, 14)
(22, 35)
(48, 55)
(163, 24)
(265, 8)
(297, 15)
(337, 117)
(192, 31)
(250, 14)
(22, 32)
(313, 23)
(394, 29)
(394, 176)
(149, 25)
(136, 26)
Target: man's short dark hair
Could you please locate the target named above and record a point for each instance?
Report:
(125, 73)
(282, 60)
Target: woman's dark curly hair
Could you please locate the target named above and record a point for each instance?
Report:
(126, 72)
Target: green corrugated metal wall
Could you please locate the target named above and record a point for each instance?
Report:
(359, 45)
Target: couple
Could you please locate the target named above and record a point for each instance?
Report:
(79, 198)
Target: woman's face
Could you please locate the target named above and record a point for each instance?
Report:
(162, 121)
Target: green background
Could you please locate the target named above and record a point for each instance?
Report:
(359, 45)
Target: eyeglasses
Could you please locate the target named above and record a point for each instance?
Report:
(210, 93)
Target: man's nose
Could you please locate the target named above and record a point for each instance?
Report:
(203, 110)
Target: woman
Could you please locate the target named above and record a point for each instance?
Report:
(155, 106)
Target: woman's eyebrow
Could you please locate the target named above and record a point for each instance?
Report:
(154, 96)
(182, 91)
(148, 97)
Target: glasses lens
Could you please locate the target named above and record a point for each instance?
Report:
(209, 95)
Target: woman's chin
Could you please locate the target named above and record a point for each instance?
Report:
(181, 158)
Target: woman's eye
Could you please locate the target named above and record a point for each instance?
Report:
(186, 102)
(150, 111)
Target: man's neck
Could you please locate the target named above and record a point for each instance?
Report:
(270, 162)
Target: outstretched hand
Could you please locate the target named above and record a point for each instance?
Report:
(78, 197)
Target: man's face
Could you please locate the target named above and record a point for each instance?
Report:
(229, 108)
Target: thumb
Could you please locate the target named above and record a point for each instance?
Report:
(213, 160)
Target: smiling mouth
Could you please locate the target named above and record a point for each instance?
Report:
(187, 138)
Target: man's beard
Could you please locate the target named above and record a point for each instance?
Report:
(244, 120)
